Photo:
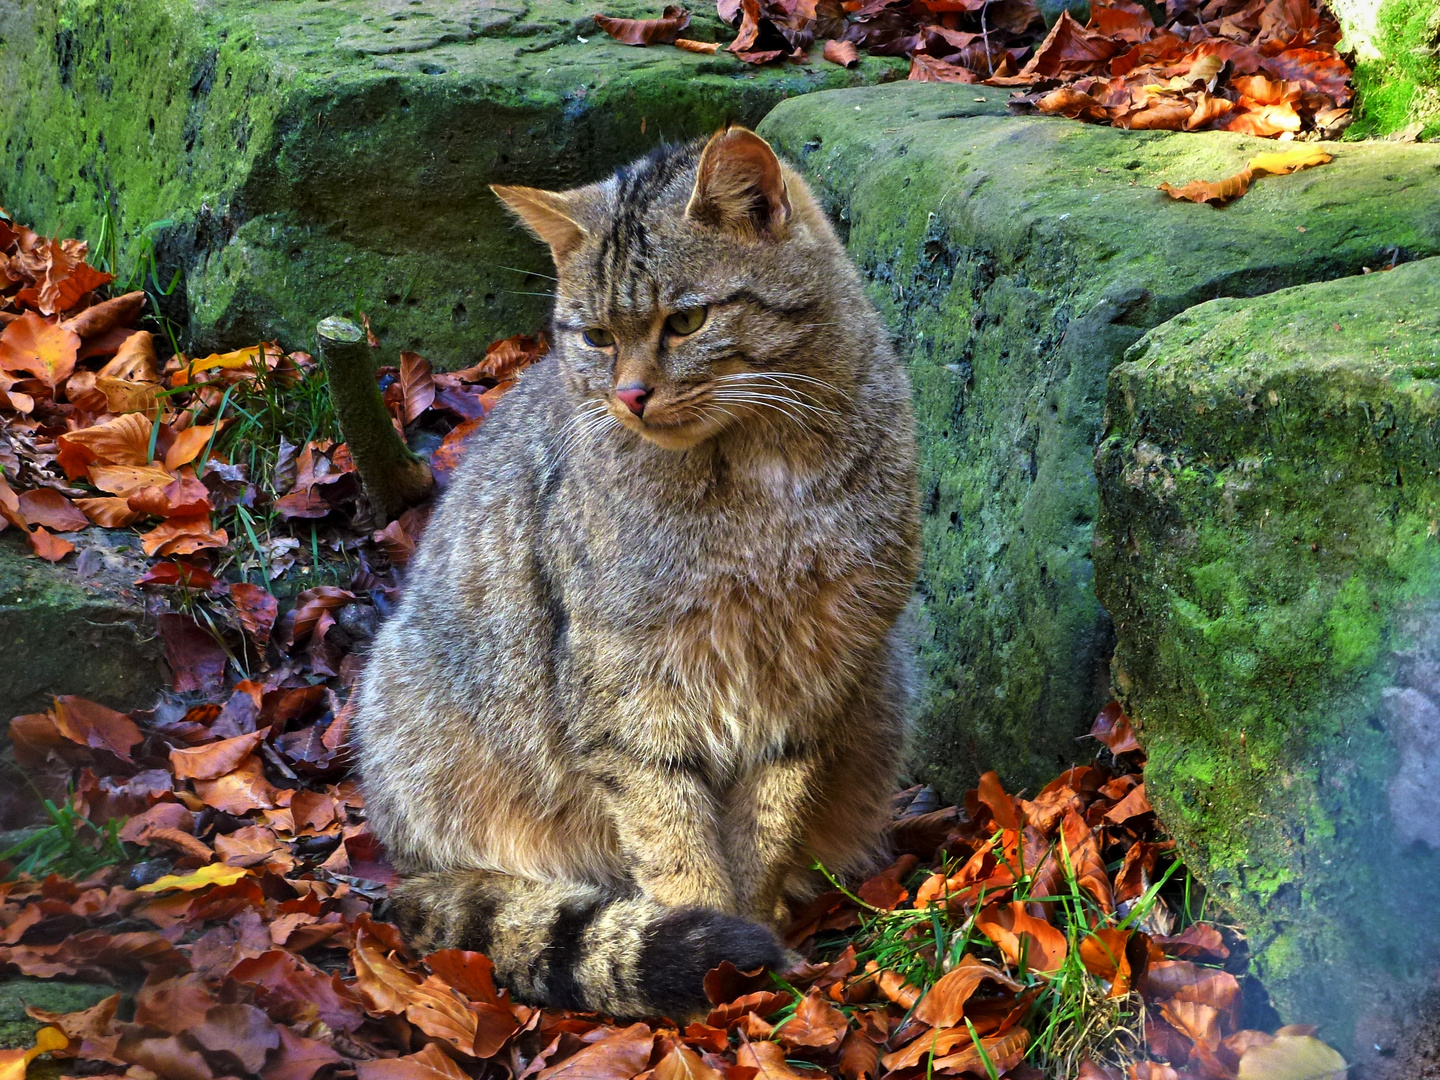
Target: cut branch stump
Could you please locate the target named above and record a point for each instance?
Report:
(393, 477)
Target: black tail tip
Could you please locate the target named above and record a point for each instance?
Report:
(687, 943)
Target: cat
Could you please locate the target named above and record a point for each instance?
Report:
(649, 664)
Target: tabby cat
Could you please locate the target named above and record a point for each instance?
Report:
(647, 668)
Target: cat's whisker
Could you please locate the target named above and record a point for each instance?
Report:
(756, 397)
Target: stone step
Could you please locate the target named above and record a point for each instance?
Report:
(1015, 259)
(66, 630)
(319, 156)
(1269, 547)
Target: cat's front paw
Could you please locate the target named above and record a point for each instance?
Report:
(686, 943)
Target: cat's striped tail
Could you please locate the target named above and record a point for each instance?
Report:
(575, 946)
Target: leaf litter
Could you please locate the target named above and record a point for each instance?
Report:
(213, 850)
(1266, 68)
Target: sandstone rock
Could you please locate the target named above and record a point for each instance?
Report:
(1269, 548)
(1015, 259)
(309, 157)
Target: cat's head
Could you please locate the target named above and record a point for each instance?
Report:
(694, 293)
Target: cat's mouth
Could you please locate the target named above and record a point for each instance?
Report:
(670, 423)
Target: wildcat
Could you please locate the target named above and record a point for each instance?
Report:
(647, 666)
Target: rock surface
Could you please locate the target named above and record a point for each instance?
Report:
(1015, 259)
(1269, 547)
(67, 632)
(314, 156)
(17, 1029)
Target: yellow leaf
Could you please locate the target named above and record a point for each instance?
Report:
(214, 874)
(240, 358)
(13, 1062)
(1292, 1057)
(1287, 161)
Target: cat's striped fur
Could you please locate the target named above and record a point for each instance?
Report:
(647, 665)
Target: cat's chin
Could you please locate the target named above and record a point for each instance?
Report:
(675, 437)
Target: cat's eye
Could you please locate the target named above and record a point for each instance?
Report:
(687, 321)
(598, 337)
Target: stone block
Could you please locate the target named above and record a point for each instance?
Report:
(1015, 259)
(1269, 548)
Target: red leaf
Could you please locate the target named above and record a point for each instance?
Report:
(196, 659)
(95, 726)
(663, 30)
(256, 610)
(1112, 727)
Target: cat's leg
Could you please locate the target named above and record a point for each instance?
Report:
(667, 824)
(767, 815)
(826, 800)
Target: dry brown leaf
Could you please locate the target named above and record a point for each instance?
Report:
(661, 31)
(1292, 1057)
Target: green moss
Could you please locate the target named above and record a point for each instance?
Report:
(1015, 259)
(69, 635)
(1267, 547)
(17, 1029)
(1400, 87)
(313, 156)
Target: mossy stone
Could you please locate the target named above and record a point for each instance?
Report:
(17, 1029)
(1269, 548)
(64, 632)
(1015, 259)
(1396, 46)
(312, 157)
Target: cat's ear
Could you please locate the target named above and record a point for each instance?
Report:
(550, 215)
(740, 185)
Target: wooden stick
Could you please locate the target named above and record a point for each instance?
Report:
(393, 477)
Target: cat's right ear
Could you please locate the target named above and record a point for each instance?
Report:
(550, 215)
(740, 186)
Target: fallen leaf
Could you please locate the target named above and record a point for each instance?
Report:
(768, 1059)
(816, 1023)
(843, 53)
(46, 506)
(662, 31)
(429, 1064)
(214, 874)
(95, 726)
(107, 315)
(256, 610)
(1292, 1057)
(47, 546)
(13, 1062)
(618, 1057)
(239, 792)
(197, 661)
(32, 345)
(1015, 932)
(943, 1005)
(215, 759)
(188, 445)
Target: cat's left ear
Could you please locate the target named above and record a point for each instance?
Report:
(550, 215)
(740, 185)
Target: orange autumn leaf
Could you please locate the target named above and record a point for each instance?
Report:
(430, 1063)
(188, 445)
(768, 1059)
(100, 318)
(943, 1005)
(39, 348)
(135, 360)
(1003, 1052)
(682, 1063)
(48, 546)
(1017, 933)
(213, 760)
(417, 385)
(843, 53)
(126, 480)
(182, 536)
(125, 396)
(91, 724)
(661, 31)
(256, 610)
(239, 792)
(46, 506)
(112, 513)
(708, 48)
(125, 440)
(816, 1023)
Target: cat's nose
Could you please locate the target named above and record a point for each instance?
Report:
(634, 395)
